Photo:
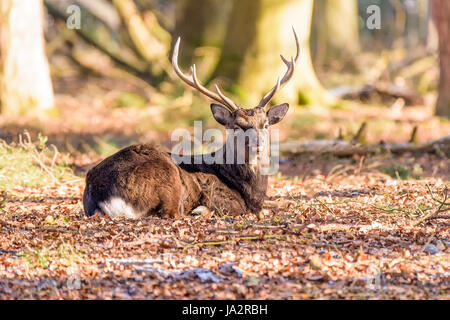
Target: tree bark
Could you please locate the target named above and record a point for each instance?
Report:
(441, 13)
(258, 32)
(152, 49)
(195, 25)
(97, 33)
(25, 84)
(336, 30)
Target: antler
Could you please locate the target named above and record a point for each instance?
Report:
(192, 81)
(287, 76)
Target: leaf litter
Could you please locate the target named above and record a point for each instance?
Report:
(354, 235)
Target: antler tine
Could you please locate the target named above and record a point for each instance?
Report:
(297, 45)
(193, 82)
(270, 94)
(219, 97)
(175, 66)
(287, 76)
(226, 99)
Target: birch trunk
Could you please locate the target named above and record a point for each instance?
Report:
(25, 84)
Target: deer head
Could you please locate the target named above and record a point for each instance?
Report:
(234, 117)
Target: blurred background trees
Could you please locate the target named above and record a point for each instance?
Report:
(235, 43)
(258, 32)
(335, 31)
(201, 23)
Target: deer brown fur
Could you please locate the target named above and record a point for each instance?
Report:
(143, 179)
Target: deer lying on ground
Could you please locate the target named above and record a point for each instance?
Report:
(143, 179)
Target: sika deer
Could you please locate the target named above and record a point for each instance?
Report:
(143, 179)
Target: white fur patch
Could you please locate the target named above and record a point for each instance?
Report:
(117, 207)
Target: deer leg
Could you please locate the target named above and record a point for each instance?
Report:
(171, 206)
(172, 200)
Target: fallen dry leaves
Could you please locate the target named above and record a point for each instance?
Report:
(353, 236)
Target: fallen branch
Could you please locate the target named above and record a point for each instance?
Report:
(14, 253)
(342, 148)
(134, 261)
(440, 217)
(381, 89)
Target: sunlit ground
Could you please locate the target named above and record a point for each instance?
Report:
(331, 228)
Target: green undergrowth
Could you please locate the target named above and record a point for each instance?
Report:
(28, 164)
(43, 257)
(130, 100)
(402, 172)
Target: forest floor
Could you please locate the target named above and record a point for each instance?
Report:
(331, 228)
(353, 235)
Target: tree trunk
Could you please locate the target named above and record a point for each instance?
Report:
(197, 27)
(431, 38)
(98, 33)
(25, 84)
(336, 29)
(258, 32)
(441, 13)
(152, 49)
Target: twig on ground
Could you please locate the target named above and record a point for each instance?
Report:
(2, 251)
(429, 241)
(326, 207)
(442, 204)
(439, 217)
(28, 145)
(413, 138)
(134, 261)
(219, 243)
(437, 200)
(359, 136)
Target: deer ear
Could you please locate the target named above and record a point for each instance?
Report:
(277, 113)
(221, 114)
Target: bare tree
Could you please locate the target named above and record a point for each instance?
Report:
(25, 84)
(257, 31)
(441, 13)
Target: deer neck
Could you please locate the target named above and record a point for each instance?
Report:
(246, 178)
